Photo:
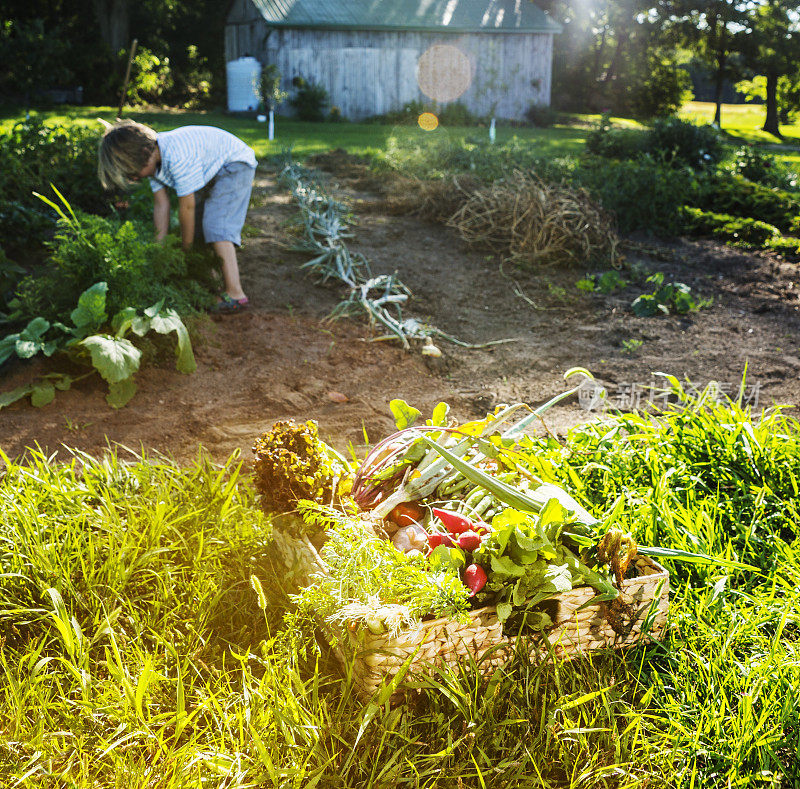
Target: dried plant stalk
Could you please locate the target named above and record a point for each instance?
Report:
(437, 200)
(537, 223)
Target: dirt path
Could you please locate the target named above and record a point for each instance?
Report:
(282, 360)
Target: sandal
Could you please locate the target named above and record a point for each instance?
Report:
(227, 305)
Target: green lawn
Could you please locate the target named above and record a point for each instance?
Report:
(743, 121)
(309, 138)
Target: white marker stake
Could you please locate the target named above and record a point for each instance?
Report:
(271, 132)
(492, 131)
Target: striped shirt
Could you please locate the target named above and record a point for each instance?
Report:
(192, 155)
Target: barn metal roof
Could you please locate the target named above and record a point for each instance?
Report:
(457, 16)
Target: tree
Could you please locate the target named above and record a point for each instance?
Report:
(30, 56)
(773, 55)
(113, 17)
(716, 31)
(613, 55)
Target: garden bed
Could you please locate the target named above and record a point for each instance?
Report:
(279, 360)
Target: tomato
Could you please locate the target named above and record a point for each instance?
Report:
(407, 513)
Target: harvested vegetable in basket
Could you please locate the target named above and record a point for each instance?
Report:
(292, 463)
(368, 580)
(467, 516)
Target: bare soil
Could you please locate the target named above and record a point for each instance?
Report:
(282, 359)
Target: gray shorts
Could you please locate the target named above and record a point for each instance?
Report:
(221, 205)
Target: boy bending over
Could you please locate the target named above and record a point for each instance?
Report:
(210, 170)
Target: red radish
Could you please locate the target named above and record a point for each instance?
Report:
(474, 579)
(452, 521)
(482, 528)
(440, 539)
(468, 541)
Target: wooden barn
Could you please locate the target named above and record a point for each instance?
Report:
(373, 56)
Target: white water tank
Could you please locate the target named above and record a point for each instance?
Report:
(244, 78)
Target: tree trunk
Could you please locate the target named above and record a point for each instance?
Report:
(622, 40)
(719, 84)
(113, 18)
(771, 123)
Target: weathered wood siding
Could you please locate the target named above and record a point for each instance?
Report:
(371, 72)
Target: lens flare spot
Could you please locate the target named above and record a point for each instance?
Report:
(428, 121)
(444, 72)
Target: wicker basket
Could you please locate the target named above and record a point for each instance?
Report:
(378, 658)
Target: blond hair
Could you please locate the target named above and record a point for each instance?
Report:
(125, 148)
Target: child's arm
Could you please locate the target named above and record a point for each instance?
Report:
(161, 213)
(186, 218)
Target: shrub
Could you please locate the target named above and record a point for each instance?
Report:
(731, 229)
(151, 78)
(32, 156)
(733, 194)
(310, 100)
(541, 116)
(662, 92)
(335, 115)
(604, 140)
(456, 114)
(786, 245)
(754, 164)
(684, 143)
(644, 194)
(32, 58)
(193, 80)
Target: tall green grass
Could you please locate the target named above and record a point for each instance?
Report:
(144, 642)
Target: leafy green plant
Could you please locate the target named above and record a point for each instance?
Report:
(786, 245)
(139, 272)
(456, 114)
(737, 230)
(292, 463)
(662, 89)
(115, 357)
(606, 141)
(151, 77)
(10, 273)
(644, 193)
(606, 282)
(193, 79)
(541, 116)
(33, 154)
(631, 345)
(670, 140)
(369, 580)
(666, 298)
(755, 164)
(729, 193)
